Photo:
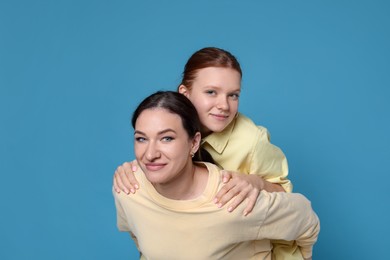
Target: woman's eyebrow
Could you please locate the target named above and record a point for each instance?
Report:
(166, 131)
(139, 132)
(159, 133)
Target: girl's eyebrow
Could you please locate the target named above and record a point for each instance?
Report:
(219, 87)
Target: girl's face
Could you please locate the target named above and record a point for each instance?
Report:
(214, 93)
(162, 146)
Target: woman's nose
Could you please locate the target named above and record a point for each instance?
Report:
(152, 152)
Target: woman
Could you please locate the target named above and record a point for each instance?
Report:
(172, 215)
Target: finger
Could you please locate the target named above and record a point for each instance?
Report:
(129, 180)
(237, 201)
(115, 185)
(118, 185)
(228, 196)
(127, 175)
(242, 194)
(125, 179)
(251, 202)
(134, 165)
(225, 189)
(226, 176)
(119, 181)
(127, 183)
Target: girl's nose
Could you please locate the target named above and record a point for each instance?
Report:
(223, 103)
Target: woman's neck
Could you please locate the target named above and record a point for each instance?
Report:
(189, 185)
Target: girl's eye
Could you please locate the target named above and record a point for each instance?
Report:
(235, 96)
(210, 92)
(167, 139)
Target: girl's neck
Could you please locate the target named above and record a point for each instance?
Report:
(205, 132)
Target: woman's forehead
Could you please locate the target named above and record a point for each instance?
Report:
(158, 116)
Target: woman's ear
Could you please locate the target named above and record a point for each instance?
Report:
(184, 90)
(196, 142)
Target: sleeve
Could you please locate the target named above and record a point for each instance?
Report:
(269, 161)
(122, 223)
(120, 214)
(290, 217)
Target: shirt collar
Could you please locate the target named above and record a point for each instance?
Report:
(219, 141)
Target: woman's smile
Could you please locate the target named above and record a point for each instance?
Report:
(154, 166)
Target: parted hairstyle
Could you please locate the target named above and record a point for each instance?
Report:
(180, 105)
(208, 57)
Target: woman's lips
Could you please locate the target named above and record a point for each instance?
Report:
(154, 166)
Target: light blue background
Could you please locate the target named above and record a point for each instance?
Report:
(316, 74)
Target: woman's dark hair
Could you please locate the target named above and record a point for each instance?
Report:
(208, 57)
(177, 104)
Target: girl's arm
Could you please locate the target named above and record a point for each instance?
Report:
(239, 186)
(268, 170)
(124, 179)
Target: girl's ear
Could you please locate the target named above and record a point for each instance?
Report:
(184, 90)
(196, 143)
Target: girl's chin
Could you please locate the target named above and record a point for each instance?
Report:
(216, 129)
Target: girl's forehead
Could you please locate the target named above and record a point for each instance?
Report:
(218, 77)
(217, 71)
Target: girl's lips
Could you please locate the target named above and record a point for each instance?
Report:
(219, 117)
(154, 166)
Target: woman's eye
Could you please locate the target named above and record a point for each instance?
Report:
(140, 139)
(167, 139)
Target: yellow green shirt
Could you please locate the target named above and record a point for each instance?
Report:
(244, 147)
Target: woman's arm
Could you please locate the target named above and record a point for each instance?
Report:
(290, 217)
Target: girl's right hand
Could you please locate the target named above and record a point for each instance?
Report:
(124, 179)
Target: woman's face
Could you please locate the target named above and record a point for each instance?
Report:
(214, 93)
(162, 146)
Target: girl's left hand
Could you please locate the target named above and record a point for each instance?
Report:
(240, 187)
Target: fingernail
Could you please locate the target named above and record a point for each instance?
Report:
(127, 192)
(136, 186)
(133, 168)
(215, 200)
(219, 205)
(230, 209)
(132, 191)
(245, 214)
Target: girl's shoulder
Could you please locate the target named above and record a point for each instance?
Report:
(244, 125)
